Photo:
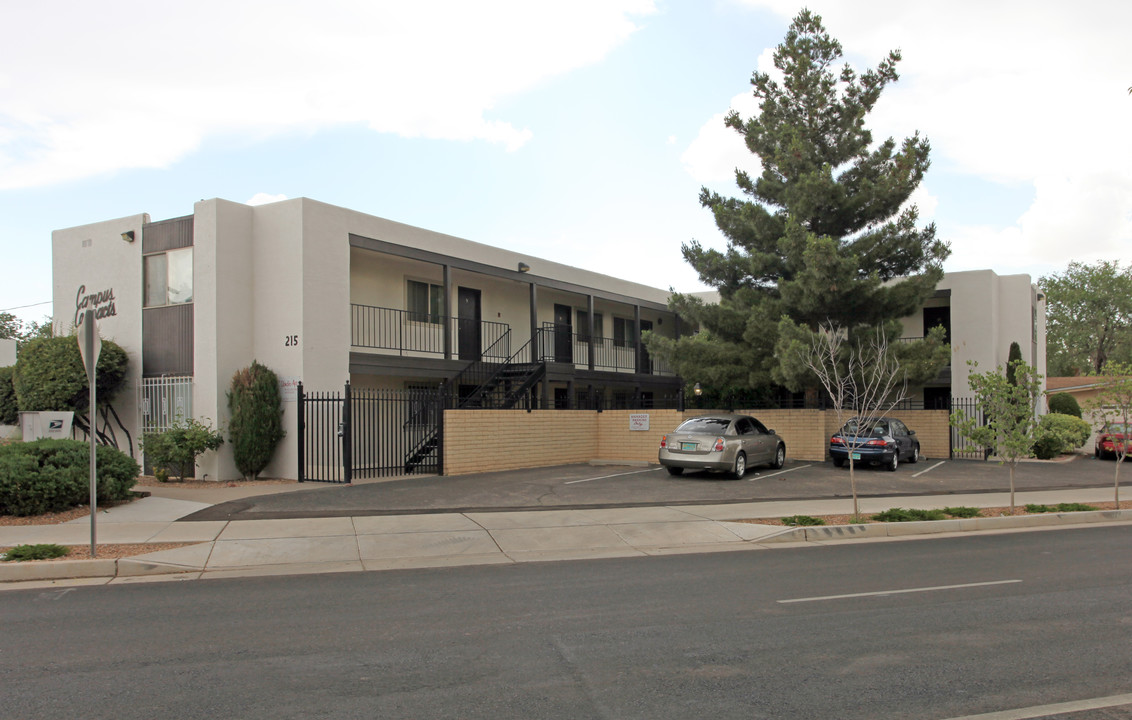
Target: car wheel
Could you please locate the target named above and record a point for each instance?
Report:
(891, 467)
(915, 454)
(740, 465)
(674, 470)
(838, 462)
(779, 457)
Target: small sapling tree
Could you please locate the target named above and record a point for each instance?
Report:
(177, 448)
(1113, 406)
(1009, 410)
(863, 378)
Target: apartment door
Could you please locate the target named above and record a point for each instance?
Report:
(938, 316)
(563, 334)
(646, 361)
(468, 341)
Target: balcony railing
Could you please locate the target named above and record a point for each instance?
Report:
(422, 334)
(557, 343)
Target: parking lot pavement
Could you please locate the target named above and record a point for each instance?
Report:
(587, 486)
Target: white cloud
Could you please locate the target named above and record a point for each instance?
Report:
(718, 150)
(126, 84)
(265, 198)
(1018, 92)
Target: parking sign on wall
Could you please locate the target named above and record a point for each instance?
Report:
(639, 421)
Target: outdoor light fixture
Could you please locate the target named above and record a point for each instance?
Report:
(128, 236)
(523, 267)
(698, 390)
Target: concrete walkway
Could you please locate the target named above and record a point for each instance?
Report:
(347, 544)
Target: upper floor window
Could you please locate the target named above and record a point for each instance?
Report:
(168, 278)
(425, 301)
(583, 326)
(623, 332)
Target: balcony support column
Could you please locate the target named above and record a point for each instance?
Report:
(535, 355)
(448, 312)
(590, 328)
(637, 341)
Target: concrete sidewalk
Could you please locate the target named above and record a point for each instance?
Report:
(346, 544)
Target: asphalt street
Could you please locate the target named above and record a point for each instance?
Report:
(1032, 624)
(587, 486)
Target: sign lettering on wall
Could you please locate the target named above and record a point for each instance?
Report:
(101, 302)
(639, 421)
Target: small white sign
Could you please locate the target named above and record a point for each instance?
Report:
(56, 424)
(639, 421)
(289, 389)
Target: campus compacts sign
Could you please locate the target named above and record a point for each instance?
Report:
(101, 302)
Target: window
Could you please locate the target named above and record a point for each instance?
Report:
(425, 301)
(583, 326)
(622, 331)
(168, 278)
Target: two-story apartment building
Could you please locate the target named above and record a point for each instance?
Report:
(323, 295)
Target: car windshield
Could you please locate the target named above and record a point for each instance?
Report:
(704, 425)
(872, 428)
(1117, 428)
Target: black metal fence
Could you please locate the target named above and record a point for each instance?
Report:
(366, 433)
(411, 332)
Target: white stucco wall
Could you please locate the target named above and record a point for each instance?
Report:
(94, 259)
(7, 352)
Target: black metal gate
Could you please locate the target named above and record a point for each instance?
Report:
(366, 433)
(962, 447)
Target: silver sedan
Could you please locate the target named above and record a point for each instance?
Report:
(727, 443)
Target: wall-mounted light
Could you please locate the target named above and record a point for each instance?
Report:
(698, 390)
(523, 267)
(128, 236)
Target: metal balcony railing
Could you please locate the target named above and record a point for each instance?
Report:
(417, 333)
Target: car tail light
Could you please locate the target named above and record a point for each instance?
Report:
(836, 440)
(664, 441)
(876, 442)
(718, 445)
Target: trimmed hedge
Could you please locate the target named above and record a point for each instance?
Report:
(9, 408)
(1057, 434)
(54, 475)
(1064, 404)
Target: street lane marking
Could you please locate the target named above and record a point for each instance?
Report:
(1056, 709)
(603, 477)
(933, 467)
(882, 593)
(760, 477)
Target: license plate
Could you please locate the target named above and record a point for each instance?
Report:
(688, 446)
(856, 456)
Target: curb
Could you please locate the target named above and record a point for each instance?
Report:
(76, 569)
(830, 533)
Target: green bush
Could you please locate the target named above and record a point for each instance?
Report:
(1060, 507)
(1057, 434)
(961, 512)
(797, 520)
(54, 475)
(177, 448)
(1064, 404)
(50, 375)
(909, 515)
(42, 551)
(256, 424)
(9, 408)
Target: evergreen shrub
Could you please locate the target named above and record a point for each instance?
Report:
(54, 475)
(255, 426)
(1064, 404)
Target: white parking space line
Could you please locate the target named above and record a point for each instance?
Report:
(603, 477)
(882, 593)
(780, 472)
(933, 467)
(1054, 709)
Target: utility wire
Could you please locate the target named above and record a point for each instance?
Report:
(22, 307)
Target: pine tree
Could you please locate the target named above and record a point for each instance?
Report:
(819, 235)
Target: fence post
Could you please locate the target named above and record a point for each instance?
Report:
(347, 434)
(300, 410)
(440, 430)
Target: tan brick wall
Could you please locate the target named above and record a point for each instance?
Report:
(489, 440)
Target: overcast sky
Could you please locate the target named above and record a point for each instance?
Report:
(579, 132)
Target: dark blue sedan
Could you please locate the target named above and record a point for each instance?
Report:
(881, 441)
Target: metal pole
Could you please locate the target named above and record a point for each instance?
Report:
(93, 464)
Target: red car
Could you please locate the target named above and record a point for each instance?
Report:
(1110, 443)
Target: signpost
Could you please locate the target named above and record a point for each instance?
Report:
(89, 347)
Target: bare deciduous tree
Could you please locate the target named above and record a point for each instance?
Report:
(863, 379)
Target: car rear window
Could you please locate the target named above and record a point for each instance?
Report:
(704, 425)
(879, 428)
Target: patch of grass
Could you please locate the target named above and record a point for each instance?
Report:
(909, 515)
(797, 520)
(961, 511)
(1060, 507)
(43, 551)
